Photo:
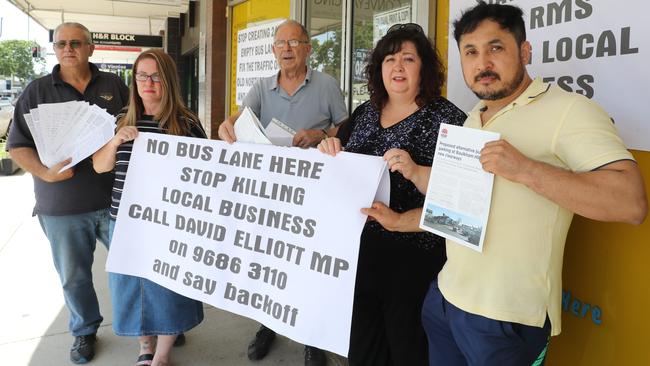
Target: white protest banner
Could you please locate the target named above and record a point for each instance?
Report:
(267, 232)
(255, 57)
(595, 48)
(460, 191)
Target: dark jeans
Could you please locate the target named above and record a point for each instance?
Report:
(459, 338)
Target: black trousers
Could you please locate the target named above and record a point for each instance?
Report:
(392, 281)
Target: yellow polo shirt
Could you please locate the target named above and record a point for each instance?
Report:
(518, 276)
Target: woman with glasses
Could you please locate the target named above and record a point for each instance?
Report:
(397, 261)
(140, 307)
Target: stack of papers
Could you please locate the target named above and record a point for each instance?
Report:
(249, 129)
(279, 133)
(69, 130)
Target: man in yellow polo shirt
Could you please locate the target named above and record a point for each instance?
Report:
(559, 154)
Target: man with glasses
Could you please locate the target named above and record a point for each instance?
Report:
(72, 206)
(306, 100)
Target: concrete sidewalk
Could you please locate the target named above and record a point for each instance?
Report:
(33, 318)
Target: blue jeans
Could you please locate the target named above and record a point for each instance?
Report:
(73, 239)
(459, 338)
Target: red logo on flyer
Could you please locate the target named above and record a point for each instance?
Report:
(443, 132)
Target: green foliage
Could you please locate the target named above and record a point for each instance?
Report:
(16, 59)
(362, 38)
(327, 54)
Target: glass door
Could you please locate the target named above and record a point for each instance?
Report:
(247, 14)
(369, 26)
(344, 32)
(325, 22)
(190, 84)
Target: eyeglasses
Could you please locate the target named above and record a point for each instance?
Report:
(74, 44)
(141, 76)
(406, 26)
(281, 43)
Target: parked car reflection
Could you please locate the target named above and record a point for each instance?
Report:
(6, 113)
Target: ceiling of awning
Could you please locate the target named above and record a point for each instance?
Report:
(145, 17)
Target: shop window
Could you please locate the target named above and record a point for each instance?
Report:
(338, 47)
(370, 24)
(244, 15)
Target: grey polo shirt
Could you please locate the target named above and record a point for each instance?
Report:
(317, 104)
(86, 191)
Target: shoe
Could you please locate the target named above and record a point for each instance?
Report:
(260, 346)
(83, 349)
(180, 340)
(314, 356)
(144, 359)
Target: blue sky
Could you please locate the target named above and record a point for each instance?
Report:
(467, 220)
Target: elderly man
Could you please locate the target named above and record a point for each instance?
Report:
(559, 154)
(308, 101)
(72, 206)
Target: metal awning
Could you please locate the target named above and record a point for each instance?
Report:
(145, 17)
(139, 17)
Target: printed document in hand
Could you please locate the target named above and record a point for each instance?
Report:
(249, 129)
(279, 133)
(73, 129)
(458, 198)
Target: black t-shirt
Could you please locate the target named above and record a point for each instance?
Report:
(86, 191)
(123, 154)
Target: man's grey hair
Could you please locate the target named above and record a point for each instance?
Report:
(287, 22)
(87, 34)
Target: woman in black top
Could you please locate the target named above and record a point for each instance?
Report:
(140, 307)
(396, 260)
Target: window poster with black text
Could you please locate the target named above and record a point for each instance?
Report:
(595, 48)
(255, 58)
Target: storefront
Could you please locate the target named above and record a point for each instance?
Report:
(342, 35)
(606, 270)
